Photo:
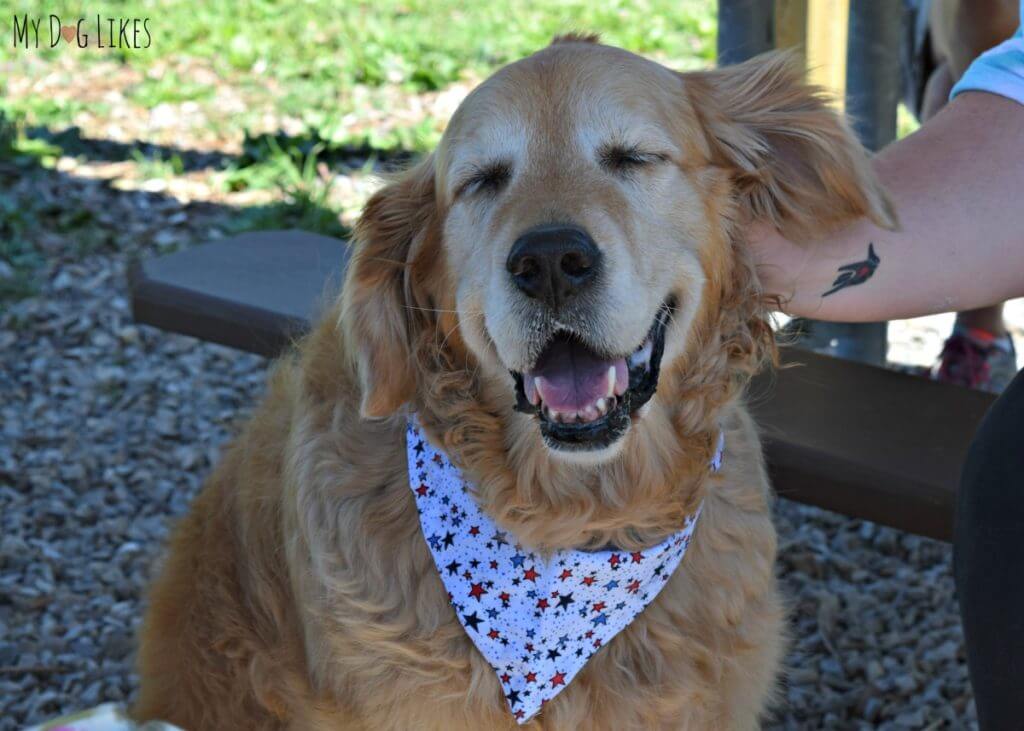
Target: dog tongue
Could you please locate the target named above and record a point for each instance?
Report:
(569, 377)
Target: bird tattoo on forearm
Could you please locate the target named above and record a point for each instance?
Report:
(856, 273)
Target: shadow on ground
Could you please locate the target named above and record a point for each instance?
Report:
(49, 218)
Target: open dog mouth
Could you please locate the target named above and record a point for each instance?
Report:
(583, 400)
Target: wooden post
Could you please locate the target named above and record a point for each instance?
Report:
(791, 26)
(816, 31)
(827, 22)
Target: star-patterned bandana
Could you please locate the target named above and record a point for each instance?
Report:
(536, 621)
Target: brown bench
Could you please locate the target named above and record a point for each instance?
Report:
(859, 440)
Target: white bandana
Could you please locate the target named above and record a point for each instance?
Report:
(536, 622)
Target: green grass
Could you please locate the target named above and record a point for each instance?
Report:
(316, 51)
(156, 165)
(298, 170)
(19, 255)
(169, 88)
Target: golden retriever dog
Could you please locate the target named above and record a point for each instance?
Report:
(561, 293)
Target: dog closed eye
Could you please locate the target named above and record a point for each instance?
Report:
(624, 159)
(489, 178)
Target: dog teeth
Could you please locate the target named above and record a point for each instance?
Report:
(642, 355)
(530, 389)
(621, 377)
(587, 414)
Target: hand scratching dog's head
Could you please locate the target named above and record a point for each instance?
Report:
(576, 240)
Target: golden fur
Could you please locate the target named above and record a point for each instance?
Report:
(299, 592)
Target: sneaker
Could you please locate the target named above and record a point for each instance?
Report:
(977, 359)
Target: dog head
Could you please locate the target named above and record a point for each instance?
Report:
(576, 239)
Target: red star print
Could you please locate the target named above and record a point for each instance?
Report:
(504, 596)
(634, 586)
(520, 714)
(494, 634)
(614, 560)
(531, 574)
(565, 574)
(542, 604)
(557, 679)
(531, 677)
(505, 677)
(598, 606)
(587, 581)
(588, 634)
(597, 642)
(422, 490)
(437, 459)
(474, 531)
(529, 647)
(637, 557)
(467, 576)
(494, 564)
(477, 591)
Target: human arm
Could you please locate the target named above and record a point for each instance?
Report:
(957, 185)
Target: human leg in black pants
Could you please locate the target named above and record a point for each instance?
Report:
(988, 561)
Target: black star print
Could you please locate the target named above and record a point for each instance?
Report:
(513, 698)
(552, 654)
(449, 540)
(453, 568)
(565, 600)
(472, 620)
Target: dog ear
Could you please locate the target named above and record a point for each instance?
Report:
(379, 300)
(792, 158)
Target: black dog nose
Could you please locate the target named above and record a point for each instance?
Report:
(553, 263)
